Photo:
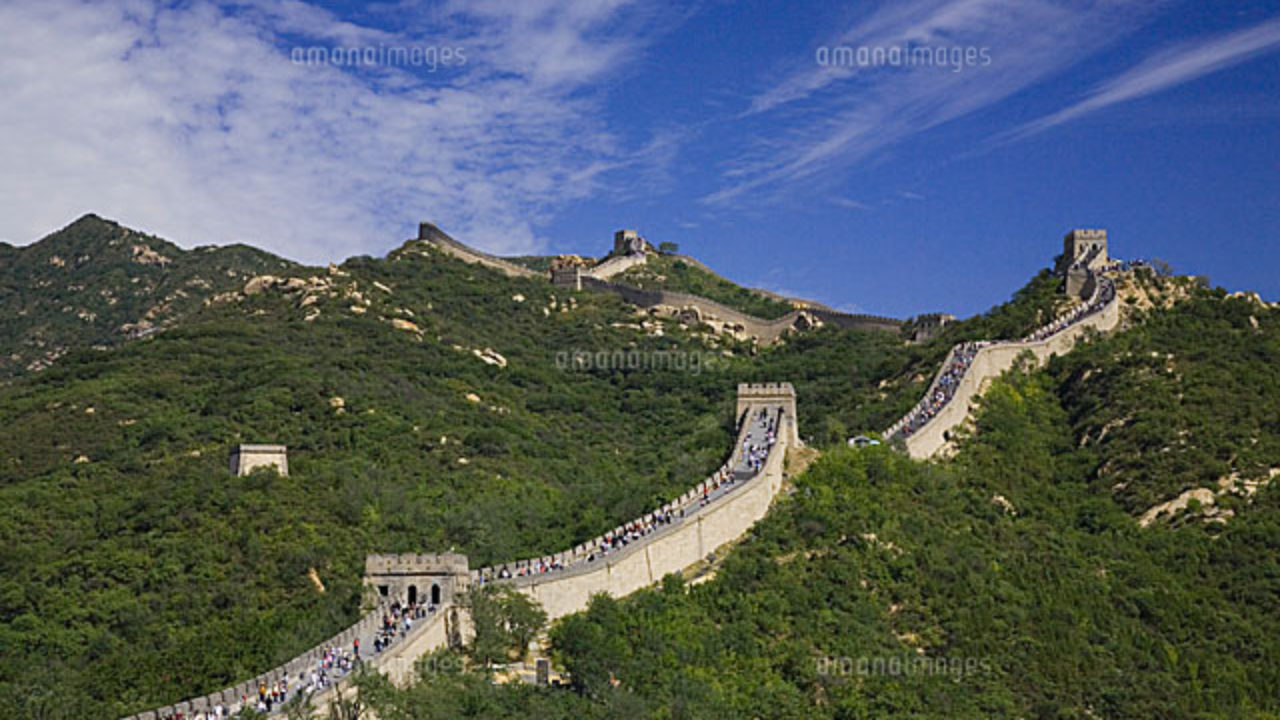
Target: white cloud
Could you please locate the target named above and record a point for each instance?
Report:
(1164, 70)
(193, 123)
(839, 116)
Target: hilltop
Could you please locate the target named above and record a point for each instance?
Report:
(96, 283)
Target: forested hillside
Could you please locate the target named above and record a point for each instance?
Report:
(431, 405)
(1012, 581)
(427, 405)
(97, 283)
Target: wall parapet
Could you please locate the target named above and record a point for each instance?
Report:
(738, 506)
(986, 360)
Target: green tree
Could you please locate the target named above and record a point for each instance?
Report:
(505, 621)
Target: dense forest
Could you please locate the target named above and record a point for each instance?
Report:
(1010, 581)
(427, 406)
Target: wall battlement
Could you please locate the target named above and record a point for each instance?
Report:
(415, 563)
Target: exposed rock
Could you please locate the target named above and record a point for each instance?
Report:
(689, 314)
(401, 324)
(382, 287)
(806, 321)
(57, 261)
(518, 298)
(472, 397)
(490, 357)
(562, 262)
(314, 577)
(357, 309)
(229, 296)
(81, 459)
(1004, 504)
(1204, 496)
(260, 283)
(338, 404)
(144, 255)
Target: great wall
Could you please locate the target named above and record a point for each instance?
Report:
(630, 251)
(717, 511)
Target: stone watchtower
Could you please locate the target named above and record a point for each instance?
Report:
(774, 393)
(246, 458)
(1082, 250)
(417, 579)
(1079, 244)
(629, 242)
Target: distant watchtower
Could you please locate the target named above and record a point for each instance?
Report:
(246, 458)
(629, 242)
(1082, 250)
(1082, 244)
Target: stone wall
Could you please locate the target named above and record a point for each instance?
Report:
(616, 265)
(767, 331)
(437, 237)
(671, 548)
(989, 363)
(780, 394)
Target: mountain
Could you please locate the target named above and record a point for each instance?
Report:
(95, 283)
(429, 405)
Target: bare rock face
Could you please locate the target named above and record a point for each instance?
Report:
(563, 262)
(144, 255)
(405, 325)
(259, 284)
(490, 357)
(806, 320)
(689, 314)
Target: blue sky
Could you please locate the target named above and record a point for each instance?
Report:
(780, 142)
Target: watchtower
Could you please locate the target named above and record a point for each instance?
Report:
(417, 579)
(629, 242)
(246, 458)
(772, 394)
(1081, 244)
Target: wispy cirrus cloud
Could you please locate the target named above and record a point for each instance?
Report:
(839, 116)
(191, 120)
(1174, 66)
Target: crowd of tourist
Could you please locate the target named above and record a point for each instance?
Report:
(334, 664)
(754, 452)
(958, 363)
(943, 389)
(1104, 293)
